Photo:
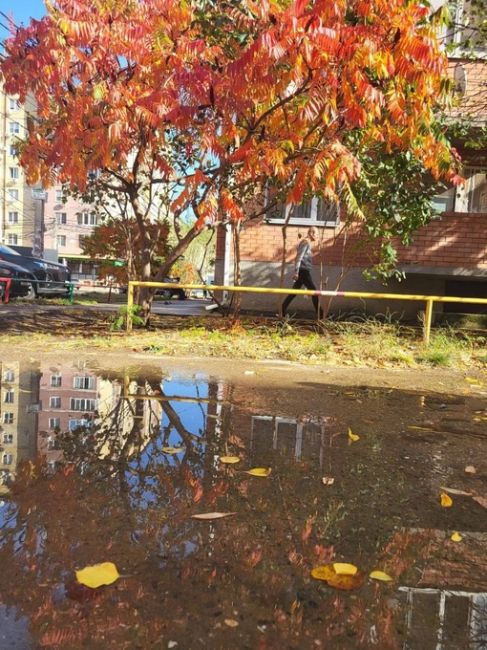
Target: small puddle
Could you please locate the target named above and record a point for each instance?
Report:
(102, 465)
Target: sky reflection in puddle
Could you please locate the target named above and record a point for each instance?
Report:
(111, 465)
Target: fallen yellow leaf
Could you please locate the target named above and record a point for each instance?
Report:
(264, 472)
(445, 500)
(97, 575)
(344, 569)
(344, 581)
(229, 460)
(231, 622)
(470, 469)
(325, 572)
(353, 437)
(380, 575)
(473, 380)
(172, 450)
(212, 515)
(456, 537)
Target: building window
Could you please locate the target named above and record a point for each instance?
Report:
(14, 127)
(469, 197)
(55, 402)
(61, 218)
(8, 438)
(61, 240)
(4, 477)
(315, 212)
(9, 375)
(13, 104)
(444, 202)
(59, 196)
(7, 459)
(9, 397)
(74, 424)
(13, 195)
(87, 219)
(13, 217)
(83, 383)
(56, 381)
(476, 187)
(12, 239)
(14, 173)
(8, 418)
(78, 404)
(54, 423)
(13, 150)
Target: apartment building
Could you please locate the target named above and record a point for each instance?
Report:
(66, 223)
(19, 397)
(55, 225)
(19, 215)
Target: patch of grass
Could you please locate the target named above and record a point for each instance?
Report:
(369, 343)
(448, 348)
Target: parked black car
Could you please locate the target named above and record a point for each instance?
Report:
(49, 277)
(22, 281)
(167, 294)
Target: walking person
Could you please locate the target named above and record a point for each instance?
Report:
(302, 271)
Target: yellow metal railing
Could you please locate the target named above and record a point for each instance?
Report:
(429, 300)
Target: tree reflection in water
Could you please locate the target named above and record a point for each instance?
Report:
(118, 496)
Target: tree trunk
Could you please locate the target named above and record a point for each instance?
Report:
(283, 256)
(237, 276)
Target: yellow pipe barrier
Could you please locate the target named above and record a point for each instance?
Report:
(429, 300)
(130, 305)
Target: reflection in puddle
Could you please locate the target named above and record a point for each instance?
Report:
(109, 466)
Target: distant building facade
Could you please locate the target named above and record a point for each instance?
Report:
(63, 222)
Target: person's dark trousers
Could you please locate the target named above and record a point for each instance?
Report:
(304, 278)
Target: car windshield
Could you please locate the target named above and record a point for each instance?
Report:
(8, 251)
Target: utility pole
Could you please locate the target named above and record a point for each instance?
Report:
(40, 195)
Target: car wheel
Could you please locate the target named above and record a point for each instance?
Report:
(166, 294)
(31, 293)
(182, 295)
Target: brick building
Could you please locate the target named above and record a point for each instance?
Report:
(66, 222)
(447, 257)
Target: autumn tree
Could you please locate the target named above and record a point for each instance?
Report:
(207, 101)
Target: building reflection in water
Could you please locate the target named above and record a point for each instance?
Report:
(71, 412)
(19, 408)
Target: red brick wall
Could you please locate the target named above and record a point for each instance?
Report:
(262, 242)
(474, 101)
(454, 240)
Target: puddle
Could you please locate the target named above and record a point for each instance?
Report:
(101, 465)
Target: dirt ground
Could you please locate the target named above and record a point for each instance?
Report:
(268, 373)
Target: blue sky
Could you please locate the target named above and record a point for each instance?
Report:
(21, 10)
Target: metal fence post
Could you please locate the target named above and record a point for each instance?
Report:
(427, 321)
(71, 292)
(130, 306)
